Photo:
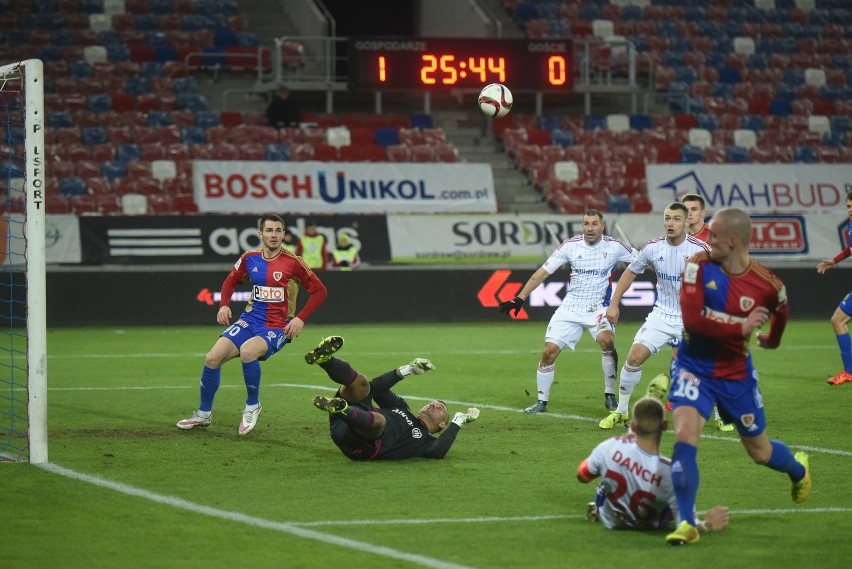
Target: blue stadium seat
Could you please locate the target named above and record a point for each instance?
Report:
(277, 152)
(780, 107)
(146, 22)
(165, 53)
(92, 6)
(560, 137)
(194, 135)
(757, 61)
(61, 36)
(421, 120)
(48, 53)
(794, 76)
(192, 23)
(708, 121)
(156, 38)
(805, 154)
(79, 69)
(549, 122)
(72, 187)
(248, 39)
(206, 119)
(631, 13)
(157, 119)
(387, 136)
(225, 38)
(786, 92)
(752, 122)
(161, 7)
(840, 124)
(99, 103)
(118, 53)
(831, 92)
(640, 122)
(127, 152)
(729, 75)
(137, 86)
(114, 169)
(722, 90)
(834, 139)
(594, 122)
(93, 135)
(109, 38)
(618, 204)
(737, 154)
(191, 102)
(691, 154)
(183, 85)
(60, 119)
(150, 69)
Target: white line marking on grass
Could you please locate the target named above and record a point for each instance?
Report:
(238, 517)
(836, 452)
(512, 519)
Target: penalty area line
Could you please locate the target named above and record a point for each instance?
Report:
(282, 527)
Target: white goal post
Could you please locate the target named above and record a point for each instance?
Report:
(22, 165)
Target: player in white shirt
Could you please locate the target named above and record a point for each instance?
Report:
(667, 256)
(635, 490)
(592, 258)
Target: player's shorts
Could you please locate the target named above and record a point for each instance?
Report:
(846, 305)
(656, 333)
(566, 328)
(242, 331)
(739, 401)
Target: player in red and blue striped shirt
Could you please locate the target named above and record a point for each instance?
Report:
(725, 296)
(266, 325)
(843, 313)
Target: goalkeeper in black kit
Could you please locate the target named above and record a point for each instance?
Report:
(390, 430)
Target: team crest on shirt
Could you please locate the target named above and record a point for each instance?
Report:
(746, 303)
(277, 275)
(416, 433)
(747, 420)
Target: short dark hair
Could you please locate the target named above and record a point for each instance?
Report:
(693, 198)
(678, 206)
(591, 212)
(849, 196)
(648, 417)
(270, 217)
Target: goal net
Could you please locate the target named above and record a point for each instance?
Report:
(23, 349)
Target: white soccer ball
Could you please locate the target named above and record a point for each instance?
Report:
(495, 100)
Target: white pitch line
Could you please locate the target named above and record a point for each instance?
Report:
(513, 519)
(253, 521)
(821, 450)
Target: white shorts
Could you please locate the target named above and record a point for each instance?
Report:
(656, 333)
(566, 328)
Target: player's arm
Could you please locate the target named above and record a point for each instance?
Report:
(613, 311)
(517, 303)
(229, 285)
(828, 263)
(777, 324)
(584, 472)
(441, 445)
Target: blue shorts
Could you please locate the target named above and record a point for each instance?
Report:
(242, 331)
(739, 401)
(846, 304)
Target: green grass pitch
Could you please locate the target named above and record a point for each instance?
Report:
(129, 489)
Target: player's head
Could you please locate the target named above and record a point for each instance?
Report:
(271, 230)
(730, 233)
(435, 416)
(695, 209)
(593, 226)
(283, 91)
(649, 418)
(674, 222)
(849, 203)
(269, 217)
(343, 240)
(310, 227)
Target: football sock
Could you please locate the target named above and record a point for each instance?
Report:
(544, 380)
(716, 414)
(609, 361)
(251, 373)
(209, 385)
(845, 343)
(339, 371)
(358, 418)
(782, 460)
(630, 376)
(685, 478)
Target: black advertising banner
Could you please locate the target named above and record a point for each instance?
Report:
(200, 239)
(157, 298)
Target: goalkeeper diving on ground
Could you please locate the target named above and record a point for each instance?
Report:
(368, 421)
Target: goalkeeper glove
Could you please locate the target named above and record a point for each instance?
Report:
(469, 417)
(418, 366)
(509, 305)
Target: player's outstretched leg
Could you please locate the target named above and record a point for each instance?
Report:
(802, 488)
(684, 533)
(324, 350)
(659, 388)
(331, 406)
(197, 419)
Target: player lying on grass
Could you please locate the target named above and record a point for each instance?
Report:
(635, 491)
(391, 431)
